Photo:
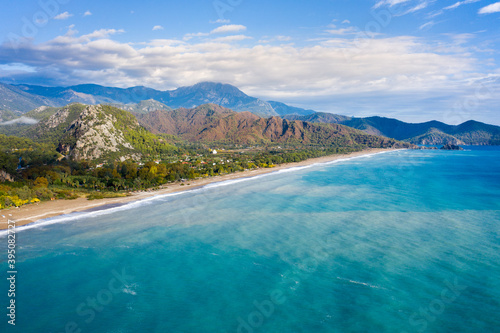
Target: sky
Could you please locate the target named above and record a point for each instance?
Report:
(414, 60)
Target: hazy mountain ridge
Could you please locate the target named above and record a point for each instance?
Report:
(145, 100)
(13, 98)
(27, 97)
(145, 106)
(428, 133)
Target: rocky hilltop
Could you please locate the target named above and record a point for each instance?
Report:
(91, 132)
(94, 135)
(213, 123)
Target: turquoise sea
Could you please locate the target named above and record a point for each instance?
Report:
(404, 241)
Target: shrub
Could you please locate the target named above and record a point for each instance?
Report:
(41, 182)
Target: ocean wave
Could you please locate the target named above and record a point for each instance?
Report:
(93, 213)
(360, 283)
(141, 202)
(233, 181)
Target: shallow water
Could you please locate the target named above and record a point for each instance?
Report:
(405, 241)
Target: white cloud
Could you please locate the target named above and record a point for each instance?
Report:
(224, 29)
(389, 3)
(20, 120)
(404, 6)
(418, 7)
(427, 25)
(233, 38)
(63, 16)
(493, 8)
(343, 31)
(346, 22)
(453, 6)
(283, 38)
(87, 13)
(221, 21)
(158, 27)
(268, 39)
(460, 3)
(229, 28)
(197, 34)
(329, 69)
(98, 34)
(333, 66)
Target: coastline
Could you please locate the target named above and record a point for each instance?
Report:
(34, 212)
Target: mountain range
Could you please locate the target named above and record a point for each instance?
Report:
(99, 132)
(24, 98)
(213, 123)
(429, 133)
(15, 100)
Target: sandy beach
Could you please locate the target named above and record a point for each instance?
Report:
(43, 210)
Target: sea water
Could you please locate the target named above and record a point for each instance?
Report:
(404, 241)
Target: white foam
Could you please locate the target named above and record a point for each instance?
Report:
(360, 283)
(141, 202)
(231, 181)
(88, 214)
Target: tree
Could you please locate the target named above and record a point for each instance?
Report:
(41, 182)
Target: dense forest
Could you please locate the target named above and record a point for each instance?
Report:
(39, 173)
(102, 151)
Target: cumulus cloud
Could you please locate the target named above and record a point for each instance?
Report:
(224, 29)
(63, 16)
(20, 120)
(268, 39)
(325, 70)
(333, 66)
(493, 8)
(232, 38)
(228, 28)
(197, 34)
(158, 27)
(87, 13)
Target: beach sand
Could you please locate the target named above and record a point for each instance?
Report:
(34, 212)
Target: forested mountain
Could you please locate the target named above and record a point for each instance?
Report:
(213, 123)
(17, 99)
(428, 133)
(99, 150)
(99, 132)
(93, 132)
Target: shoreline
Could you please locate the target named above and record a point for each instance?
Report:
(32, 213)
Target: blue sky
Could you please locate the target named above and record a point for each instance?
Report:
(414, 60)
